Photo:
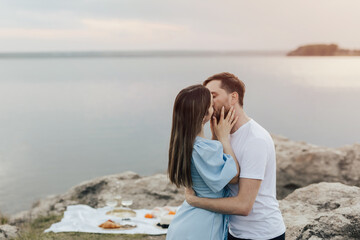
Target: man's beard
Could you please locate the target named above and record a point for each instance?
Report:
(217, 113)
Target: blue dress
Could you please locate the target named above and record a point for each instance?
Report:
(211, 171)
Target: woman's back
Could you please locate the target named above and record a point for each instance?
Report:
(211, 171)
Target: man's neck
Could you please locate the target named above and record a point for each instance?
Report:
(243, 118)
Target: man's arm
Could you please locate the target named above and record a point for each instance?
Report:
(238, 205)
(218, 131)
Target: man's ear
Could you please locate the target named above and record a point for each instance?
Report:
(234, 98)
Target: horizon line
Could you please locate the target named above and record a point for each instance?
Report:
(140, 53)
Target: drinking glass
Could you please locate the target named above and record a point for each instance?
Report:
(127, 202)
(111, 203)
(118, 200)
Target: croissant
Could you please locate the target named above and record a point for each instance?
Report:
(109, 224)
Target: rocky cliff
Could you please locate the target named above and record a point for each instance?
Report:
(318, 211)
(322, 211)
(322, 50)
(146, 192)
(312, 211)
(300, 164)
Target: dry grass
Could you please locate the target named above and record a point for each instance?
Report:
(3, 219)
(34, 230)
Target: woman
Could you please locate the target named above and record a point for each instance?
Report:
(205, 165)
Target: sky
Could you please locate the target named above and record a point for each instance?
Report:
(96, 25)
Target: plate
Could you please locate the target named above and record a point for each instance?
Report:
(122, 227)
(122, 213)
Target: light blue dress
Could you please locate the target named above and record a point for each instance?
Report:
(211, 171)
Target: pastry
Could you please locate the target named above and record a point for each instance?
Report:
(109, 225)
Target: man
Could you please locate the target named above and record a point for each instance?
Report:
(252, 205)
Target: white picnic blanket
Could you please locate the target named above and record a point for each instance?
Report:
(82, 218)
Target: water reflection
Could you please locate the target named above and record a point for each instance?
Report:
(330, 72)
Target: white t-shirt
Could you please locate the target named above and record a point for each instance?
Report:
(255, 152)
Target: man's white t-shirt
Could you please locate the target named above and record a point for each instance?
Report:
(255, 152)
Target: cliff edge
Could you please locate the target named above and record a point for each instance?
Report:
(322, 50)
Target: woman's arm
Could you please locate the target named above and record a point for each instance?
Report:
(222, 131)
(228, 150)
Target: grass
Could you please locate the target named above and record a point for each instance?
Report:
(34, 230)
(3, 219)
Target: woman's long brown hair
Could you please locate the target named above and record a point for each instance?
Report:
(190, 107)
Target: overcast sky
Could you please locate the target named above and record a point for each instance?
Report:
(56, 25)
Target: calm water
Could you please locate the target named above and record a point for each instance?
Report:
(63, 121)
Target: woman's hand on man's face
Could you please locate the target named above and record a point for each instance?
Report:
(212, 122)
(222, 128)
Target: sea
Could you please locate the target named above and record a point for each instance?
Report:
(70, 117)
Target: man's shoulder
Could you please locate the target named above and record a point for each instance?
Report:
(258, 133)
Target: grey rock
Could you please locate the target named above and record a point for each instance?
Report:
(300, 164)
(146, 192)
(8, 231)
(322, 211)
(312, 211)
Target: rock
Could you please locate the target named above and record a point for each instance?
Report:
(322, 50)
(146, 192)
(300, 164)
(318, 211)
(8, 231)
(322, 211)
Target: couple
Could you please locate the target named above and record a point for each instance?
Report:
(230, 180)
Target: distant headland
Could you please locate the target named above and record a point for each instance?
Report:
(322, 50)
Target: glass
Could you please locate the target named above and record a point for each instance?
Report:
(118, 200)
(112, 204)
(127, 202)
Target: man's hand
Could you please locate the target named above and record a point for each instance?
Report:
(190, 196)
